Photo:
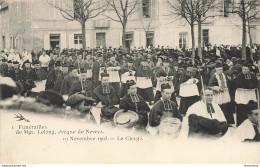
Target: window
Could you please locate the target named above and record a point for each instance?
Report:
(146, 5)
(227, 7)
(129, 37)
(183, 40)
(205, 34)
(54, 40)
(28, 12)
(101, 39)
(150, 38)
(77, 38)
(16, 43)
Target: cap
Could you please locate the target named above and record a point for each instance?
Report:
(165, 86)
(130, 83)
(58, 64)
(104, 75)
(36, 62)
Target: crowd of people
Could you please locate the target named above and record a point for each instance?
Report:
(161, 91)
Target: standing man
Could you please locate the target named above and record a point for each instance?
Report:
(222, 96)
(188, 89)
(144, 82)
(44, 60)
(245, 83)
(113, 71)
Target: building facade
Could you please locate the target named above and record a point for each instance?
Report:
(34, 24)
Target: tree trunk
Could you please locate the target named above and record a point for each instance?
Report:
(123, 35)
(83, 29)
(199, 38)
(250, 39)
(243, 31)
(193, 42)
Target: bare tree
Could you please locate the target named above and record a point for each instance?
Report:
(122, 10)
(80, 11)
(204, 11)
(248, 11)
(185, 9)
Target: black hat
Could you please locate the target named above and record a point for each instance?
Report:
(130, 83)
(218, 65)
(82, 70)
(15, 62)
(36, 62)
(104, 75)
(165, 86)
(27, 61)
(4, 60)
(9, 61)
(58, 64)
(247, 65)
(2, 51)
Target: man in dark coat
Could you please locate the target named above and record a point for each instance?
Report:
(52, 77)
(38, 73)
(245, 83)
(96, 70)
(134, 102)
(105, 93)
(164, 108)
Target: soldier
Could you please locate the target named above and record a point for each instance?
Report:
(16, 74)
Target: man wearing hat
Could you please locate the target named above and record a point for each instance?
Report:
(221, 95)
(113, 68)
(82, 82)
(245, 83)
(189, 91)
(106, 97)
(164, 75)
(60, 81)
(105, 94)
(134, 102)
(165, 111)
(144, 82)
(52, 77)
(38, 73)
(10, 69)
(26, 70)
(17, 72)
(128, 72)
(96, 69)
(204, 119)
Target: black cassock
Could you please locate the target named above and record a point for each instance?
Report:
(138, 105)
